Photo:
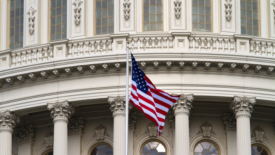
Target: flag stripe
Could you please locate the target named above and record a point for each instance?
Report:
(154, 103)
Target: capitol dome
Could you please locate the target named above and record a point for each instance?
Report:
(63, 76)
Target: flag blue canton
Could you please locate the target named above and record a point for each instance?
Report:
(138, 76)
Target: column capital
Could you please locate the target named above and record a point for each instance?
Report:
(61, 110)
(243, 105)
(8, 120)
(25, 135)
(183, 104)
(118, 105)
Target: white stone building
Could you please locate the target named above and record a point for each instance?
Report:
(62, 76)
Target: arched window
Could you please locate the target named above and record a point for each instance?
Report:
(206, 148)
(58, 19)
(16, 19)
(152, 15)
(153, 148)
(250, 17)
(48, 152)
(104, 17)
(101, 149)
(202, 15)
(259, 150)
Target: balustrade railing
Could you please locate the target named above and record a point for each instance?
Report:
(260, 47)
(137, 42)
(212, 44)
(28, 56)
(88, 47)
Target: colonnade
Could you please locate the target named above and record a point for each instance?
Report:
(62, 111)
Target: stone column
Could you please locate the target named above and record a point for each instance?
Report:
(8, 121)
(118, 109)
(243, 107)
(60, 112)
(182, 110)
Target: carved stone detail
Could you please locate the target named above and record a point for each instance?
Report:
(100, 133)
(77, 11)
(184, 103)
(229, 122)
(206, 130)
(31, 19)
(25, 135)
(61, 110)
(118, 104)
(171, 117)
(152, 130)
(228, 9)
(76, 126)
(259, 134)
(132, 121)
(8, 120)
(243, 104)
(48, 139)
(126, 9)
(177, 4)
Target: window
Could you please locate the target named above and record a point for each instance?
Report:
(101, 149)
(259, 150)
(250, 17)
(153, 148)
(104, 17)
(58, 19)
(49, 152)
(16, 24)
(202, 15)
(206, 148)
(152, 15)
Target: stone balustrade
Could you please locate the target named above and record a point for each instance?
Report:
(212, 44)
(32, 55)
(166, 42)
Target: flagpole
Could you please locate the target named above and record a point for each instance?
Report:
(127, 99)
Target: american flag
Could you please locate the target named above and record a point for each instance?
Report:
(154, 103)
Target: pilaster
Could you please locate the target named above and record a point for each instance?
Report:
(25, 138)
(8, 121)
(182, 110)
(4, 24)
(243, 107)
(230, 129)
(75, 130)
(43, 13)
(127, 15)
(178, 15)
(31, 22)
(228, 16)
(272, 18)
(76, 18)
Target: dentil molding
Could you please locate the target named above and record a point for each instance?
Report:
(243, 104)
(31, 19)
(77, 11)
(25, 135)
(8, 120)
